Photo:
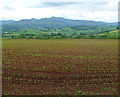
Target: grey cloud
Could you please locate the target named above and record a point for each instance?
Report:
(53, 4)
(85, 6)
(60, 4)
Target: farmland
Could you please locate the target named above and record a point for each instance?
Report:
(60, 67)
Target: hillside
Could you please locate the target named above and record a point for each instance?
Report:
(57, 28)
(111, 34)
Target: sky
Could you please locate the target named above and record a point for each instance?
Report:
(96, 10)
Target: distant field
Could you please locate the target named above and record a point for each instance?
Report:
(60, 67)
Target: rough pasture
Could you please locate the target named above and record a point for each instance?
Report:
(60, 67)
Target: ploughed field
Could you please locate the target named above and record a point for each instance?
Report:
(60, 67)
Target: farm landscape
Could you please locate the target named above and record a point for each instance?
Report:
(60, 67)
(60, 48)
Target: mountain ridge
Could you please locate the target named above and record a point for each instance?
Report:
(52, 22)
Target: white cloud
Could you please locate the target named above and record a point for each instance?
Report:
(98, 10)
